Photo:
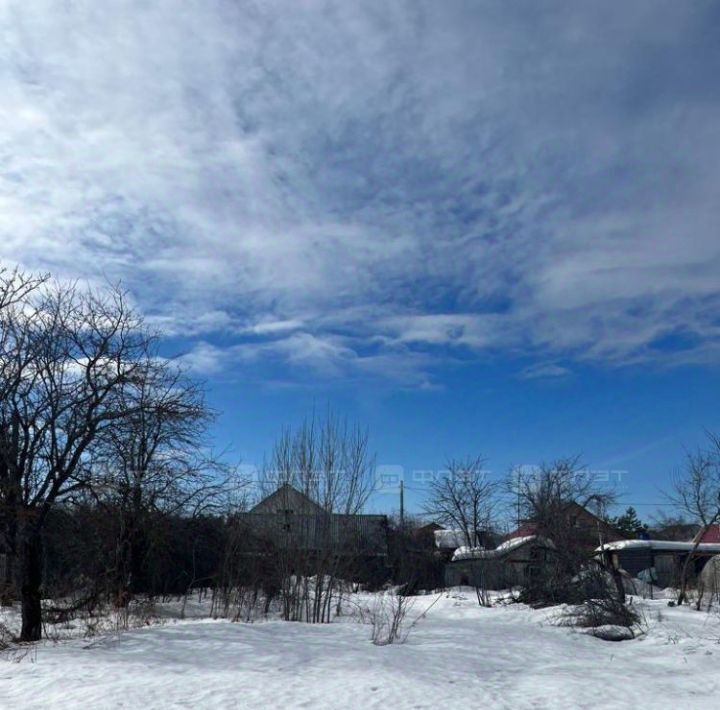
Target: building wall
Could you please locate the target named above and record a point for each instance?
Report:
(667, 564)
(508, 571)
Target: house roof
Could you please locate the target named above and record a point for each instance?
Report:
(710, 534)
(478, 553)
(661, 546)
(429, 527)
(675, 531)
(525, 530)
(587, 520)
(449, 539)
(288, 498)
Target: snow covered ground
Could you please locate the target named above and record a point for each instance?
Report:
(459, 655)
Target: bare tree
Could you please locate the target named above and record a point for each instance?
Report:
(696, 493)
(327, 460)
(552, 497)
(154, 464)
(14, 288)
(463, 498)
(66, 355)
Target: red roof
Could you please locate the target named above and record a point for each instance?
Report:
(525, 530)
(711, 534)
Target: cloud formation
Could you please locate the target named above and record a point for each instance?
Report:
(364, 189)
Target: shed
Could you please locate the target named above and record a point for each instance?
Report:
(508, 565)
(658, 561)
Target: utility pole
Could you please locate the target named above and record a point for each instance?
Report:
(402, 504)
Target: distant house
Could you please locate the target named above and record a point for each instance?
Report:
(659, 561)
(709, 534)
(523, 551)
(677, 531)
(509, 564)
(425, 534)
(590, 528)
(288, 519)
(447, 541)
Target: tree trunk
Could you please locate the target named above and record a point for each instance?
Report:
(29, 579)
(8, 591)
(682, 595)
(618, 580)
(7, 587)
(123, 569)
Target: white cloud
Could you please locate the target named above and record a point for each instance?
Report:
(321, 177)
(544, 371)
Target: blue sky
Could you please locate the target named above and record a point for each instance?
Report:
(472, 226)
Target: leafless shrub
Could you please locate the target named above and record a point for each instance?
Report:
(312, 551)
(483, 595)
(606, 611)
(387, 618)
(598, 603)
(696, 493)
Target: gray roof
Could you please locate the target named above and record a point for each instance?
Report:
(289, 519)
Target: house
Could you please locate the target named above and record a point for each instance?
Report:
(447, 541)
(708, 534)
(588, 527)
(524, 551)
(661, 561)
(658, 561)
(425, 534)
(677, 531)
(508, 565)
(290, 520)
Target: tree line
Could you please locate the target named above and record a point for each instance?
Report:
(109, 488)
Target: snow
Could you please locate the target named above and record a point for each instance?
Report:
(610, 632)
(458, 655)
(665, 545)
(450, 539)
(468, 553)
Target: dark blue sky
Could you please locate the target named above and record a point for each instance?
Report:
(630, 426)
(473, 226)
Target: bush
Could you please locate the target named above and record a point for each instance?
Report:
(388, 619)
(597, 603)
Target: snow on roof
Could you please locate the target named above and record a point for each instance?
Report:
(660, 545)
(450, 539)
(480, 553)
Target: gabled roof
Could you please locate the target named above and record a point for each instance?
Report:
(710, 534)
(675, 531)
(525, 530)
(587, 520)
(449, 539)
(288, 498)
(478, 553)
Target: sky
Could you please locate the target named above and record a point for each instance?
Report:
(473, 227)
